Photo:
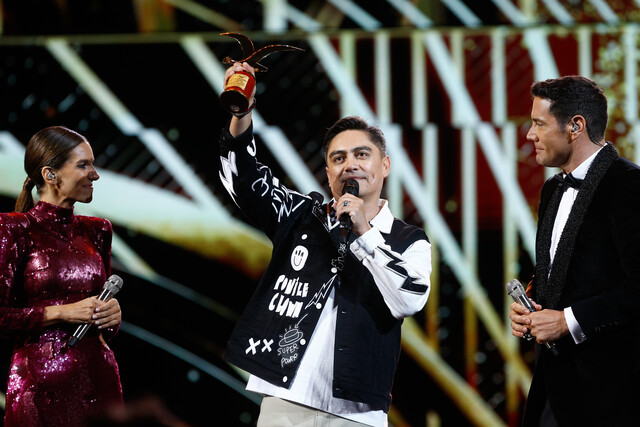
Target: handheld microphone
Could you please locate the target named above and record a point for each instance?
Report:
(516, 291)
(111, 287)
(350, 186)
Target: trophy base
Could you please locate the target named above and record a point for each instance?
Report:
(234, 101)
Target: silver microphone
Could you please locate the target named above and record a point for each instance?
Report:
(111, 287)
(516, 291)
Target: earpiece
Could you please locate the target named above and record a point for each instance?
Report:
(575, 127)
(51, 175)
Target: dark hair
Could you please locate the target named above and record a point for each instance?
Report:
(575, 95)
(354, 123)
(49, 147)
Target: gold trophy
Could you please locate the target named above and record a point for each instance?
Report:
(238, 89)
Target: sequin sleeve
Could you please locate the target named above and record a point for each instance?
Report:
(14, 315)
(101, 233)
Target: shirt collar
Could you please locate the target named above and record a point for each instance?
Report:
(581, 171)
(383, 220)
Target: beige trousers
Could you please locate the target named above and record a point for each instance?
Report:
(276, 412)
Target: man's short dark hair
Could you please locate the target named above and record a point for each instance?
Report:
(355, 123)
(575, 95)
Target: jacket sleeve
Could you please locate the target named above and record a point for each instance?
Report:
(261, 196)
(14, 317)
(402, 278)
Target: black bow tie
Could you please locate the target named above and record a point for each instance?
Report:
(567, 181)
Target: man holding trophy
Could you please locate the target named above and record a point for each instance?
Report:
(321, 334)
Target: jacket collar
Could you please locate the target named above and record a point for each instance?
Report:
(550, 284)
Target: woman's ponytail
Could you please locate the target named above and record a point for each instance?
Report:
(25, 199)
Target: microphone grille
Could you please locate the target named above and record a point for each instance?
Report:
(351, 186)
(114, 284)
(514, 286)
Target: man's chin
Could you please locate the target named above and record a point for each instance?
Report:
(540, 159)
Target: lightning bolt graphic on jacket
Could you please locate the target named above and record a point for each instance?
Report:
(322, 293)
(410, 283)
(228, 168)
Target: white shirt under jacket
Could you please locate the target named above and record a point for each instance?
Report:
(312, 385)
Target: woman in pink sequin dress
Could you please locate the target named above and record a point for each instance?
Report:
(53, 264)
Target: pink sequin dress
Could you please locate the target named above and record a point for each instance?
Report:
(50, 256)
